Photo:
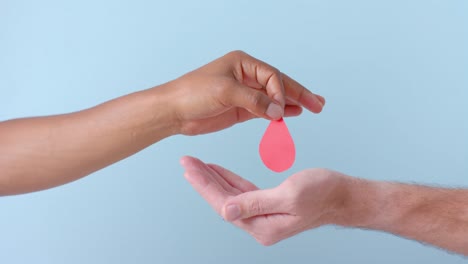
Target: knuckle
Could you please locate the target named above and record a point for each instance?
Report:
(320, 174)
(236, 53)
(275, 77)
(276, 72)
(255, 207)
(292, 184)
(293, 193)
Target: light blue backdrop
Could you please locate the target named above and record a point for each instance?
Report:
(394, 73)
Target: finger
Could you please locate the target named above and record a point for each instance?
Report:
(232, 190)
(292, 110)
(205, 185)
(256, 73)
(291, 102)
(289, 111)
(254, 203)
(233, 179)
(254, 101)
(194, 164)
(298, 93)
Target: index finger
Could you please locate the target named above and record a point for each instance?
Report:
(233, 179)
(204, 183)
(258, 74)
(298, 93)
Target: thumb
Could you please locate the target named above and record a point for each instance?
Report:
(254, 203)
(256, 102)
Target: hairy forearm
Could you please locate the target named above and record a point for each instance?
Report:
(42, 152)
(436, 216)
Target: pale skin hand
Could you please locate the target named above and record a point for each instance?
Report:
(316, 197)
(43, 152)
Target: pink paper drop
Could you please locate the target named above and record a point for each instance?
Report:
(277, 149)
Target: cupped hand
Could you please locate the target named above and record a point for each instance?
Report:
(236, 88)
(306, 200)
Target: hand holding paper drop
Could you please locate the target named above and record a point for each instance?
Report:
(277, 148)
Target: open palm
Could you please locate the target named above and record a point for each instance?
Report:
(303, 201)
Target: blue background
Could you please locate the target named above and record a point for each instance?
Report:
(394, 73)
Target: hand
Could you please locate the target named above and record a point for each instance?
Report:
(236, 88)
(306, 200)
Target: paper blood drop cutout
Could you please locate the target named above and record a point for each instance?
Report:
(277, 147)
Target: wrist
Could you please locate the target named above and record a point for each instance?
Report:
(161, 117)
(362, 202)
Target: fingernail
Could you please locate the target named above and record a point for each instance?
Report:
(321, 100)
(232, 212)
(278, 98)
(274, 111)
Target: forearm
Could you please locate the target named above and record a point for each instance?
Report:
(436, 216)
(43, 152)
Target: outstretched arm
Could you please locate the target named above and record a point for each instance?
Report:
(431, 215)
(43, 152)
(317, 197)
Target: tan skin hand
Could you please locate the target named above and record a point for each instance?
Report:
(236, 88)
